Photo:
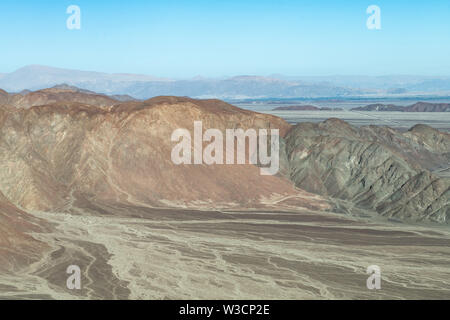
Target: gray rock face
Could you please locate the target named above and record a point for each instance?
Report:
(376, 168)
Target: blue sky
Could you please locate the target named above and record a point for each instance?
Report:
(223, 38)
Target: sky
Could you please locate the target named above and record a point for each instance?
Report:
(181, 39)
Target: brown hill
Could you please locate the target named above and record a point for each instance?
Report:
(61, 154)
(57, 95)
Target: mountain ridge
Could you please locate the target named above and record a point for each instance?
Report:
(69, 152)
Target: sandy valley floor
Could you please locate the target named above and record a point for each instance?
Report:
(143, 253)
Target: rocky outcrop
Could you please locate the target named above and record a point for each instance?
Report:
(375, 168)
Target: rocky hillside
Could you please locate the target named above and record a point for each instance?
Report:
(68, 154)
(373, 167)
(17, 246)
(58, 155)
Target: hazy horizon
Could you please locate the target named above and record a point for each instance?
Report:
(227, 76)
(36, 77)
(176, 39)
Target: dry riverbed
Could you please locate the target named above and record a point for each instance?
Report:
(143, 253)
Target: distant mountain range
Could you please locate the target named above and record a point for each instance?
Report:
(143, 87)
(36, 77)
(394, 84)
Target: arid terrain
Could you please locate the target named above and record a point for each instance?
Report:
(142, 253)
(87, 180)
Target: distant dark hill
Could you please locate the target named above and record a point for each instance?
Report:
(305, 108)
(379, 107)
(428, 107)
(123, 97)
(417, 107)
(297, 108)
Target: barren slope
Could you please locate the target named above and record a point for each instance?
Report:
(17, 247)
(372, 167)
(56, 153)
